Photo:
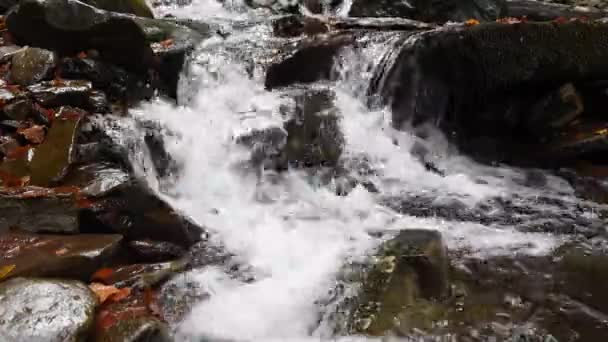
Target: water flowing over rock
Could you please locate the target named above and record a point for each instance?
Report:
(49, 310)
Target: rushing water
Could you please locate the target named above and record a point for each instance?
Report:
(296, 233)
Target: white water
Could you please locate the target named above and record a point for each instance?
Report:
(296, 235)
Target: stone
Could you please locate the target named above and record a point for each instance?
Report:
(39, 211)
(46, 310)
(97, 179)
(136, 7)
(139, 329)
(312, 61)
(48, 162)
(172, 42)
(155, 251)
(543, 11)
(466, 80)
(555, 110)
(62, 93)
(19, 110)
(313, 132)
(143, 275)
(98, 102)
(32, 65)
(411, 266)
(430, 10)
(118, 83)
(135, 212)
(53, 255)
(70, 27)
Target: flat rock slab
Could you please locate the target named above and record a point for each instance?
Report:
(45, 310)
(46, 255)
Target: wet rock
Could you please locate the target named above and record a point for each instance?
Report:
(45, 255)
(70, 26)
(137, 7)
(312, 61)
(47, 162)
(133, 211)
(313, 132)
(430, 10)
(171, 44)
(32, 65)
(19, 110)
(98, 102)
(139, 329)
(8, 51)
(37, 211)
(411, 266)
(447, 72)
(143, 275)
(177, 297)
(96, 180)
(555, 110)
(7, 96)
(542, 10)
(156, 251)
(116, 82)
(62, 93)
(46, 310)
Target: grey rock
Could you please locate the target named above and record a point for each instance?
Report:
(32, 65)
(45, 310)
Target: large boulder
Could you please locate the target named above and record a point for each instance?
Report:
(410, 267)
(430, 10)
(70, 26)
(136, 7)
(47, 255)
(46, 310)
(468, 80)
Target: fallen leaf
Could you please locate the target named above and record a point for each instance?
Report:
(11, 181)
(120, 295)
(61, 251)
(471, 22)
(105, 319)
(58, 82)
(83, 203)
(560, 20)
(102, 291)
(6, 270)
(508, 20)
(102, 275)
(150, 301)
(72, 190)
(34, 134)
(82, 55)
(17, 152)
(166, 43)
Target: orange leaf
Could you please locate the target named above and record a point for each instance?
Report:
(166, 43)
(105, 319)
(61, 251)
(6, 270)
(471, 22)
(120, 295)
(102, 291)
(34, 134)
(74, 190)
(17, 152)
(102, 275)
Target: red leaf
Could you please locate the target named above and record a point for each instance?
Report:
(109, 293)
(82, 55)
(17, 152)
(34, 134)
(102, 275)
(105, 319)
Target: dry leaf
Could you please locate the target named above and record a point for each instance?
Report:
(102, 291)
(82, 55)
(471, 22)
(102, 275)
(6, 270)
(17, 152)
(61, 251)
(166, 43)
(34, 134)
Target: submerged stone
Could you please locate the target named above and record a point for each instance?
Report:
(45, 255)
(138, 329)
(46, 310)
